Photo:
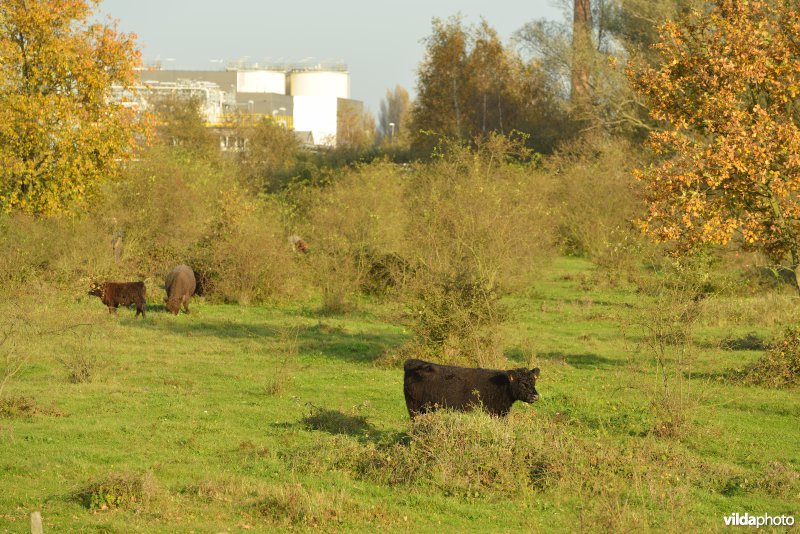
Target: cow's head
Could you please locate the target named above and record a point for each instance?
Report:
(96, 289)
(523, 384)
(174, 305)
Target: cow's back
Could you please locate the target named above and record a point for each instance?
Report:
(123, 293)
(180, 281)
(180, 285)
(428, 386)
(114, 294)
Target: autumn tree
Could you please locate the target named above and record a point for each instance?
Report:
(393, 117)
(440, 82)
(61, 133)
(470, 85)
(728, 84)
(355, 126)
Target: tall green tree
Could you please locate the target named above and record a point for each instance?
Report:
(271, 148)
(179, 121)
(440, 85)
(60, 132)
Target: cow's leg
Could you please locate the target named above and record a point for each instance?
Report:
(186, 304)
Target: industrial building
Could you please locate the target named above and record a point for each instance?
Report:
(307, 100)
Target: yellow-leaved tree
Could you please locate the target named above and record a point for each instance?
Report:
(61, 133)
(728, 84)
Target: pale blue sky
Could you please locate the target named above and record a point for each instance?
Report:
(380, 42)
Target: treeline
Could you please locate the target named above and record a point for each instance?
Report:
(554, 81)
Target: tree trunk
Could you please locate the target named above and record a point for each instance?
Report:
(455, 108)
(581, 51)
(796, 270)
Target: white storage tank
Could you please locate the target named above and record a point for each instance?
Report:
(261, 81)
(333, 83)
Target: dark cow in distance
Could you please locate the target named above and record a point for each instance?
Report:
(430, 386)
(114, 294)
(180, 285)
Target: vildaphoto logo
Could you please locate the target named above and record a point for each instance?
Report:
(747, 520)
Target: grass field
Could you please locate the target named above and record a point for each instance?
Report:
(268, 418)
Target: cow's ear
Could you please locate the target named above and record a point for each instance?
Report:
(535, 372)
(502, 379)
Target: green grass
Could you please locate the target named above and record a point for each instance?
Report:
(186, 411)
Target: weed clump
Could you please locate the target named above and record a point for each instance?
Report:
(464, 454)
(780, 366)
(119, 490)
(751, 341)
(80, 367)
(336, 422)
(12, 406)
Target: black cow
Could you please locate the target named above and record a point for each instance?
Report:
(114, 294)
(430, 386)
(180, 285)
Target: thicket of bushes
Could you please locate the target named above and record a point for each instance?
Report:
(447, 238)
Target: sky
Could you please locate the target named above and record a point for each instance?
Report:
(380, 42)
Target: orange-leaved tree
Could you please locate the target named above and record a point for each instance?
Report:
(61, 132)
(728, 86)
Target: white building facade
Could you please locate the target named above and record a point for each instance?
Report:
(306, 100)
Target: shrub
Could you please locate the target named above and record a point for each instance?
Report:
(780, 366)
(80, 366)
(271, 149)
(58, 249)
(353, 222)
(480, 226)
(163, 206)
(675, 292)
(13, 406)
(244, 257)
(596, 199)
(336, 422)
(465, 454)
(455, 317)
(119, 490)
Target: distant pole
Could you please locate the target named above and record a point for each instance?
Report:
(36, 523)
(391, 133)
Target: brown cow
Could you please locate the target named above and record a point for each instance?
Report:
(114, 294)
(180, 285)
(298, 243)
